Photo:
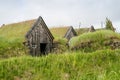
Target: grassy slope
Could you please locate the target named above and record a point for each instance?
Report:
(11, 38)
(99, 65)
(98, 39)
(16, 30)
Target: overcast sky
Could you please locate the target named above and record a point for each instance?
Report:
(61, 12)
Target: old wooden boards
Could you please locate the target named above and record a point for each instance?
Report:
(70, 33)
(39, 38)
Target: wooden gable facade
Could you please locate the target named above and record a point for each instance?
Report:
(91, 29)
(39, 39)
(70, 33)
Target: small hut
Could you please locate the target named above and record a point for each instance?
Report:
(39, 39)
(32, 33)
(91, 29)
(70, 33)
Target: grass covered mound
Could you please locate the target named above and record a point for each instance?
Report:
(60, 45)
(92, 41)
(11, 38)
(99, 65)
(59, 32)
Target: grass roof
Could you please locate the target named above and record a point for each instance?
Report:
(16, 30)
(59, 32)
(81, 30)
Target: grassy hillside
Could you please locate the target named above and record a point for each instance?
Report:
(91, 41)
(99, 65)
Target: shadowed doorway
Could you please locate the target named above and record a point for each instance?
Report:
(43, 48)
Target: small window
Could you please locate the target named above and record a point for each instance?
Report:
(34, 45)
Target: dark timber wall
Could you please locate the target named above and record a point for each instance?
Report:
(39, 38)
(70, 33)
(92, 29)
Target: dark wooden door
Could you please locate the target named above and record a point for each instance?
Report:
(43, 48)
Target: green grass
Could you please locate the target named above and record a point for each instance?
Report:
(81, 30)
(11, 38)
(59, 32)
(99, 65)
(16, 30)
(97, 39)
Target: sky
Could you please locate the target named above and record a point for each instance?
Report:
(62, 12)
